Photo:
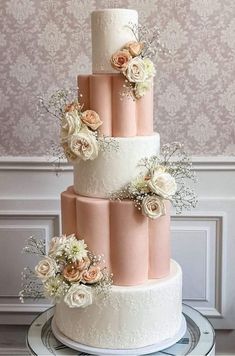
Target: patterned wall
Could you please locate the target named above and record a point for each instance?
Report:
(44, 44)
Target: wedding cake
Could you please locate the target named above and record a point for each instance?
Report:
(144, 304)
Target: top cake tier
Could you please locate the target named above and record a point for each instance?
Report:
(110, 32)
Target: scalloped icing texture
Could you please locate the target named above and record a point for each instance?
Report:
(121, 116)
(135, 248)
(113, 169)
(130, 317)
(110, 32)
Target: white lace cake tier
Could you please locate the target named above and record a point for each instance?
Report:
(130, 317)
(115, 167)
(110, 32)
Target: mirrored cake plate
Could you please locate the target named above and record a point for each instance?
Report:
(198, 339)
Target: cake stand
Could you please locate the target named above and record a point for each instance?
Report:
(199, 338)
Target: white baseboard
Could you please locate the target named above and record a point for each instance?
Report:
(46, 163)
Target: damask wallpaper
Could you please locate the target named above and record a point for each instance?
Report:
(44, 44)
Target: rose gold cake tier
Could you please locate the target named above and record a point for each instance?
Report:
(135, 247)
(121, 116)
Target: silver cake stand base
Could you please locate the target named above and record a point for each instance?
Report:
(100, 351)
(199, 338)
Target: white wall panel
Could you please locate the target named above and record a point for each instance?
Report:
(197, 245)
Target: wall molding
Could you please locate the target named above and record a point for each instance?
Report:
(47, 163)
(14, 351)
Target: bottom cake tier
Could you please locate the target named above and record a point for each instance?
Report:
(129, 317)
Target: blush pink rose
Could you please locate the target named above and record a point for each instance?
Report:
(135, 48)
(91, 119)
(92, 275)
(120, 59)
(72, 273)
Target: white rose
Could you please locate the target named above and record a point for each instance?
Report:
(84, 145)
(136, 70)
(141, 89)
(153, 207)
(78, 296)
(163, 184)
(149, 68)
(70, 123)
(46, 268)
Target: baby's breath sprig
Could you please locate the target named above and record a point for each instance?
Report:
(56, 157)
(151, 40)
(35, 246)
(31, 286)
(184, 199)
(56, 103)
(105, 284)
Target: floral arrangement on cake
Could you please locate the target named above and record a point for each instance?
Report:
(133, 61)
(164, 177)
(79, 129)
(69, 272)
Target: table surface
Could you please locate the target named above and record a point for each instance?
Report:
(199, 338)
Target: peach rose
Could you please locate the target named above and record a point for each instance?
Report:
(72, 273)
(91, 119)
(120, 59)
(134, 47)
(92, 275)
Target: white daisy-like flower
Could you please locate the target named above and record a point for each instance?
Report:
(74, 249)
(55, 288)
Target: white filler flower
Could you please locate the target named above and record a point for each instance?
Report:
(74, 249)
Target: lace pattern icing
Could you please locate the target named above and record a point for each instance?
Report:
(130, 317)
(110, 171)
(109, 33)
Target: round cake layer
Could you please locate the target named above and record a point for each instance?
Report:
(130, 317)
(114, 167)
(110, 32)
(135, 248)
(121, 116)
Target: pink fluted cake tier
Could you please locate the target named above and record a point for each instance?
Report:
(135, 248)
(122, 117)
